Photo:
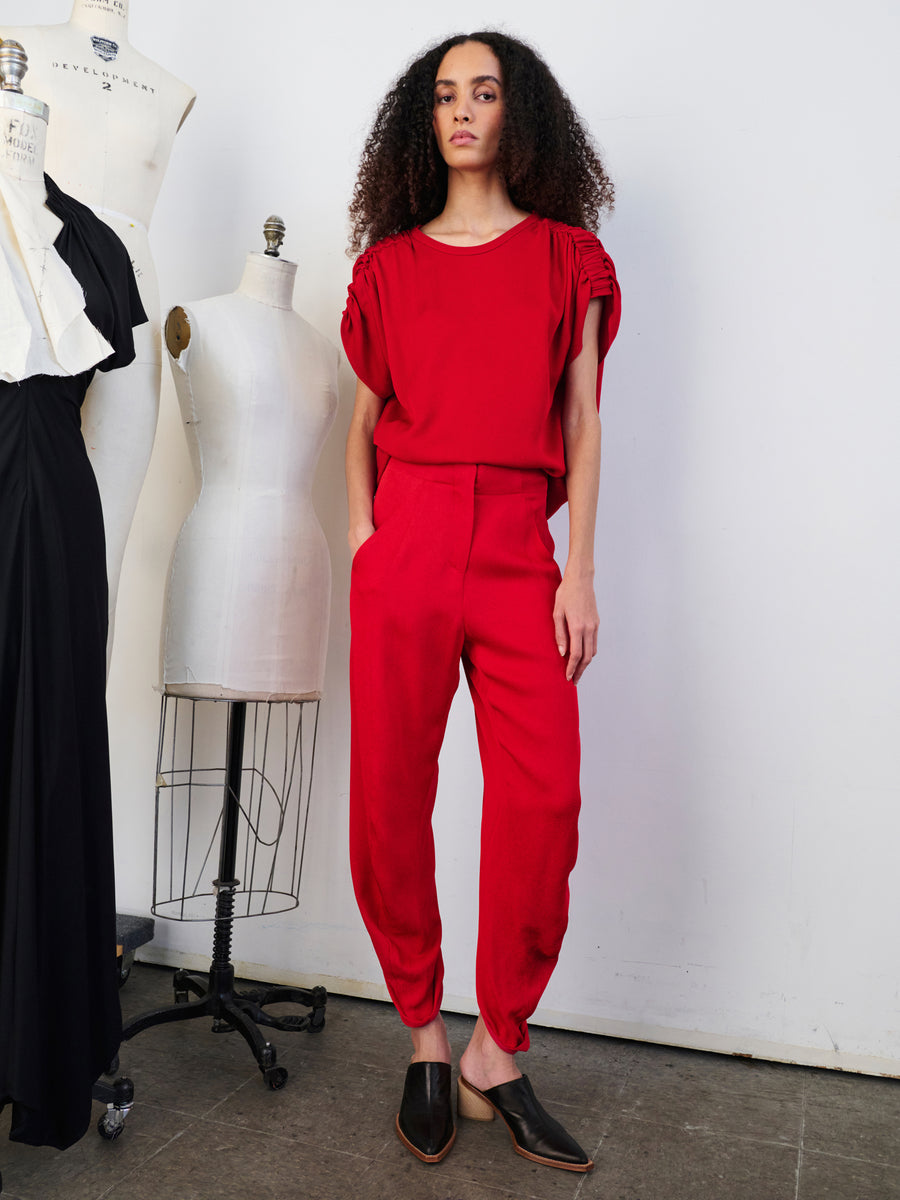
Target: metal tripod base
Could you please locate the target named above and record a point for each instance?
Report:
(242, 1011)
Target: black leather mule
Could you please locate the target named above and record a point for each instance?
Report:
(425, 1120)
(535, 1134)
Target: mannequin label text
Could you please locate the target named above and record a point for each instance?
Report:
(105, 6)
(108, 77)
(19, 142)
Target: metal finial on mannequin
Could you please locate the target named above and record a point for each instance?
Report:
(274, 231)
(13, 65)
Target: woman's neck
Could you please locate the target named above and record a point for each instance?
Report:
(478, 207)
(108, 18)
(268, 280)
(23, 139)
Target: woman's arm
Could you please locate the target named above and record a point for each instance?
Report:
(575, 611)
(360, 464)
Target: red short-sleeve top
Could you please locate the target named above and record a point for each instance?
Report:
(468, 345)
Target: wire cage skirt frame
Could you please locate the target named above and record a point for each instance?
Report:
(192, 806)
(249, 820)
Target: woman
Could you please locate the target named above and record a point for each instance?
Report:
(479, 312)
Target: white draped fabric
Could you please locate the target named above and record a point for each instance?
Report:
(44, 330)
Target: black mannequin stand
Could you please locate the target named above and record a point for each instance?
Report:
(216, 997)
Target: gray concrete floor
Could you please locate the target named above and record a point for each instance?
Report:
(661, 1124)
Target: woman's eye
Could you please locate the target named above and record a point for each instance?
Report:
(484, 96)
(443, 99)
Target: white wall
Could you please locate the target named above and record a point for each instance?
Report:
(737, 887)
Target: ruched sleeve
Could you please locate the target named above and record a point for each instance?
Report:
(362, 328)
(596, 278)
(591, 275)
(101, 264)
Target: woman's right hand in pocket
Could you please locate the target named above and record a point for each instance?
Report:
(357, 536)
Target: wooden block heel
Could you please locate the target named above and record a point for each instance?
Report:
(470, 1103)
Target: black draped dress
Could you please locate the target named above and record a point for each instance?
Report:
(60, 1024)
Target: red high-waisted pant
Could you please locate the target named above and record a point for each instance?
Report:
(461, 567)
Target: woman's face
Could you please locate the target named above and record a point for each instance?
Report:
(468, 107)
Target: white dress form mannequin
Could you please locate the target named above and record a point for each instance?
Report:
(250, 585)
(115, 114)
(23, 140)
(45, 330)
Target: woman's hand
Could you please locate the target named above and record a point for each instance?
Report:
(360, 465)
(576, 621)
(358, 535)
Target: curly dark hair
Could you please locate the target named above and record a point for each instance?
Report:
(546, 155)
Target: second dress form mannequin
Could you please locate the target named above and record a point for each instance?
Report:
(115, 116)
(250, 585)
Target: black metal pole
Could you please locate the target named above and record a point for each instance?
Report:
(231, 801)
(221, 972)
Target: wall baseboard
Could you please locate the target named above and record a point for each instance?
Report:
(687, 1039)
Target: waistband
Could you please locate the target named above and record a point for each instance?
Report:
(483, 478)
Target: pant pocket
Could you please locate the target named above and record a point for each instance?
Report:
(542, 529)
(393, 509)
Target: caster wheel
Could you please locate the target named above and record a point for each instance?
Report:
(125, 962)
(108, 1129)
(181, 997)
(317, 1020)
(276, 1078)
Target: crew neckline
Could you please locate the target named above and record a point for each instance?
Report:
(483, 247)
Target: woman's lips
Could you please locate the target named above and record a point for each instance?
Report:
(463, 136)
